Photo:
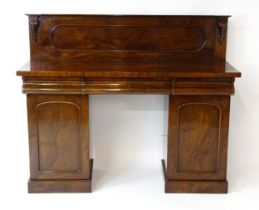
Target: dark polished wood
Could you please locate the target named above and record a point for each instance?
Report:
(61, 185)
(73, 56)
(79, 37)
(130, 69)
(58, 135)
(193, 186)
(197, 137)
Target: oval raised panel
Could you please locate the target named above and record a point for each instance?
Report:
(128, 38)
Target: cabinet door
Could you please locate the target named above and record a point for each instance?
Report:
(197, 137)
(58, 136)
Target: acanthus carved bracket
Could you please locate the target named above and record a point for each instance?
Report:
(34, 27)
(221, 30)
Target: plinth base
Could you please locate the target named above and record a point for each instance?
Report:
(61, 186)
(193, 186)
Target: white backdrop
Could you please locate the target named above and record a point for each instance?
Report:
(127, 131)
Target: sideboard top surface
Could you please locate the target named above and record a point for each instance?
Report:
(126, 15)
(129, 69)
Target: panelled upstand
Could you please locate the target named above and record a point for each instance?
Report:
(73, 56)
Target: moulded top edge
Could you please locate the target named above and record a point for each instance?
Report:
(148, 15)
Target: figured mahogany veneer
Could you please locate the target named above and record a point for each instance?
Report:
(73, 56)
(88, 37)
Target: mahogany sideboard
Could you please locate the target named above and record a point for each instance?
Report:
(72, 56)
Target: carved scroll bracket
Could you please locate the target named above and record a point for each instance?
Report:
(221, 30)
(34, 27)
